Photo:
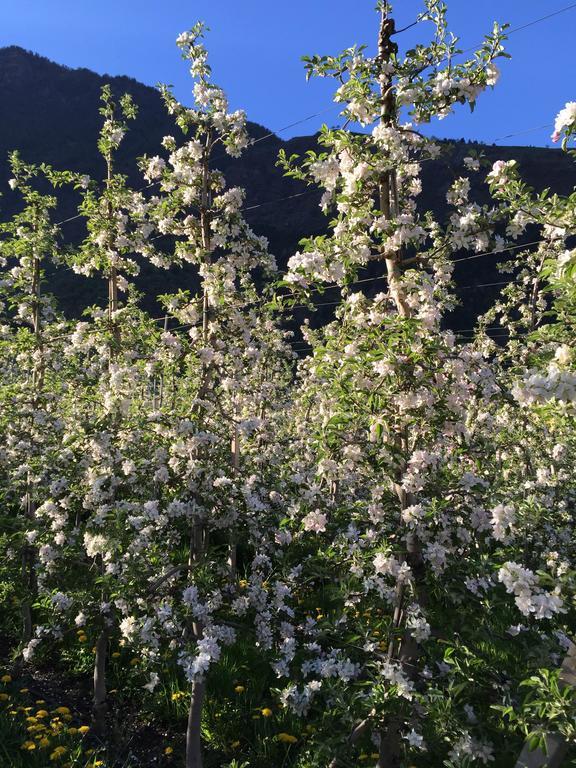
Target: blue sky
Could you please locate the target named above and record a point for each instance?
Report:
(256, 45)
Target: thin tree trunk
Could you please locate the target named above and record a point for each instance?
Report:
(28, 551)
(404, 649)
(198, 690)
(158, 404)
(100, 694)
(235, 460)
(199, 534)
(28, 557)
(100, 703)
(194, 728)
(390, 749)
(535, 295)
(112, 274)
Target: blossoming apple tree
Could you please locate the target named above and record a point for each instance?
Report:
(403, 517)
(30, 364)
(225, 383)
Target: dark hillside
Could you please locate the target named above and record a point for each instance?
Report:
(50, 114)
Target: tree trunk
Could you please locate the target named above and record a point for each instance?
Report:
(405, 649)
(199, 532)
(193, 730)
(100, 703)
(390, 750)
(28, 573)
(235, 461)
(28, 551)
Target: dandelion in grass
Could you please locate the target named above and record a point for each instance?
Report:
(287, 738)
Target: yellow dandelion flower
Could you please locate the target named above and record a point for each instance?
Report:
(133, 662)
(287, 738)
(72, 731)
(41, 713)
(23, 690)
(266, 712)
(6, 679)
(62, 711)
(31, 720)
(239, 689)
(168, 751)
(58, 753)
(83, 729)
(44, 742)
(116, 655)
(82, 638)
(4, 697)
(375, 756)
(28, 745)
(39, 702)
(177, 695)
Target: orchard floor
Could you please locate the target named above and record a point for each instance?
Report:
(45, 715)
(45, 720)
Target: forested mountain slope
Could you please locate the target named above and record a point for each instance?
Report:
(50, 114)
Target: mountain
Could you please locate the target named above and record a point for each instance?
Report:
(51, 115)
